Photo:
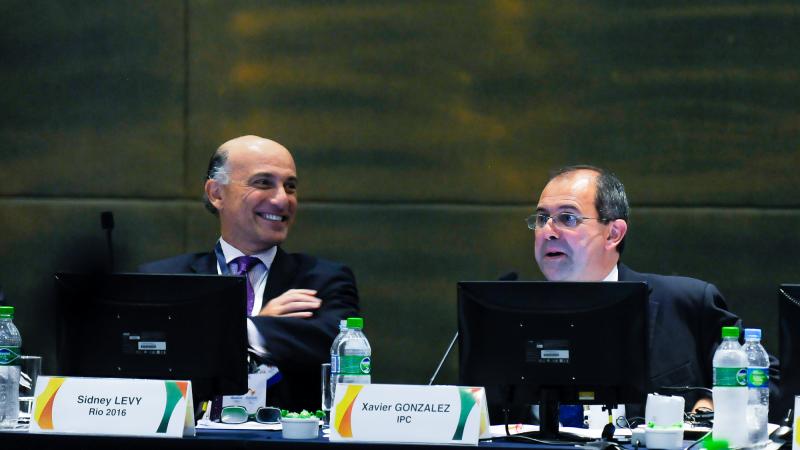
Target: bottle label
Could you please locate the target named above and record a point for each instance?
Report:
(730, 376)
(334, 364)
(9, 356)
(757, 377)
(354, 365)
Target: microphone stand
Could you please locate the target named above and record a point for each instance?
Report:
(446, 354)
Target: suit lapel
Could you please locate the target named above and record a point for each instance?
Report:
(280, 276)
(626, 274)
(205, 263)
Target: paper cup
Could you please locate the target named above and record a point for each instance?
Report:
(300, 428)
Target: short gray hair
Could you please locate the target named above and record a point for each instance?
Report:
(217, 171)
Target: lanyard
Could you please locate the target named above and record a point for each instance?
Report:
(223, 266)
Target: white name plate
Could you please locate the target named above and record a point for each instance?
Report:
(113, 406)
(408, 413)
(796, 440)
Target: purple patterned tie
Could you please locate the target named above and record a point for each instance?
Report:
(243, 264)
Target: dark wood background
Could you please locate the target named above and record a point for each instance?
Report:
(423, 133)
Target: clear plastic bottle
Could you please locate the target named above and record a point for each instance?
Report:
(757, 387)
(10, 343)
(335, 355)
(355, 354)
(730, 390)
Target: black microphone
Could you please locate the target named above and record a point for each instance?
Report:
(509, 276)
(107, 223)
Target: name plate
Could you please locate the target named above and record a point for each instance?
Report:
(113, 406)
(409, 413)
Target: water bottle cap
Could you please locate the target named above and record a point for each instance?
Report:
(355, 323)
(7, 312)
(752, 333)
(732, 332)
(716, 444)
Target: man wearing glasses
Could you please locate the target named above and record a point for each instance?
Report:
(579, 230)
(295, 301)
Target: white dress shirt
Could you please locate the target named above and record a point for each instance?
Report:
(258, 279)
(613, 275)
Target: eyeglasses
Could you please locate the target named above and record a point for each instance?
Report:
(564, 219)
(239, 414)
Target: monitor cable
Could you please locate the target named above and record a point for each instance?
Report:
(509, 276)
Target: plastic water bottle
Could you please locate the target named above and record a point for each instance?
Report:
(10, 343)
(757, 387)
(335, 356)
(355, 354)
(730, 390)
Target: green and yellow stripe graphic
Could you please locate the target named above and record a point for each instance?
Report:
(467, 397)
(176, 390)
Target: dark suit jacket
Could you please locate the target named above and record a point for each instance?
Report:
(686, 316)
(296, 346)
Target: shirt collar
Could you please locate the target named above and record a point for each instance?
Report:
(613, 275)
(231, 253)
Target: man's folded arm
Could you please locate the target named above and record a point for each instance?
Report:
(295, 341)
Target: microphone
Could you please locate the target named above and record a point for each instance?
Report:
(107, 223)
(508, 276)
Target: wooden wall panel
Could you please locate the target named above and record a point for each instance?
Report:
(407, 259)
(92, 98)
(423, 133)
(691, 103)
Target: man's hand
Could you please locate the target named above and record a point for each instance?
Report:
(292, 303)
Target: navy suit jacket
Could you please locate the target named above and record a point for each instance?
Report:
(296, 346)
(686, 316)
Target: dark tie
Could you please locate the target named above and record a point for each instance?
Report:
(242, 266)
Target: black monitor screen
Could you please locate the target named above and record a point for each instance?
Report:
(789, 314)
(554, 342)
(180, 327)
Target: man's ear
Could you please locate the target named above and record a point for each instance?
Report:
(214, 193)
(617, 231)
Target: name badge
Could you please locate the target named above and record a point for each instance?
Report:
(409, 413)
(113, 406)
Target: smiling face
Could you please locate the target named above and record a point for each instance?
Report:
(258, 204)
(586, 252)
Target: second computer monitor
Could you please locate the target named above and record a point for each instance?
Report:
(554, 342)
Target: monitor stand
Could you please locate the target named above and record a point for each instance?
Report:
(548, 414)
(549, 424)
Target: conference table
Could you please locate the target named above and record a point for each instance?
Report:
(218, 439)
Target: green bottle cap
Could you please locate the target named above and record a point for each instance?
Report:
(714, 444)
(6, 312)
(355, 323)
(730, 332)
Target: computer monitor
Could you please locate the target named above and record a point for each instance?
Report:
(554, 342)
(789, 341)
(180, 327)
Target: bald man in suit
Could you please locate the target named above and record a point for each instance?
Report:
(299, 299)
